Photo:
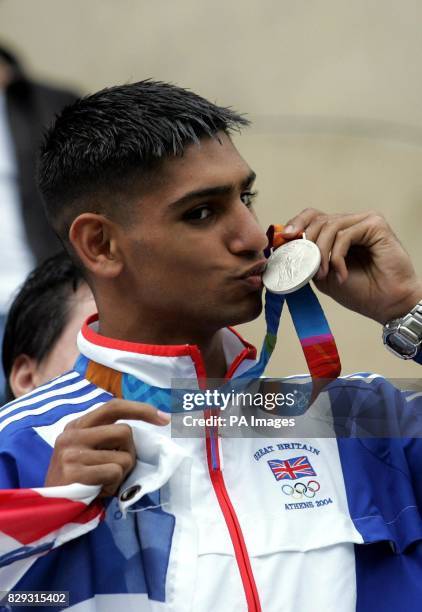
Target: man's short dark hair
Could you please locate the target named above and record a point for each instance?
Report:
(100, 147)
(39, 312)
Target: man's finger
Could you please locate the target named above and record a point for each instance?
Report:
(89, 457)
(358, 234)
(116, 436)
(109, 475)
(106, 474)
(117, 409)
(297, 224)
(324, 235)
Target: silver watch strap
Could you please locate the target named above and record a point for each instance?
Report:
(411, 324)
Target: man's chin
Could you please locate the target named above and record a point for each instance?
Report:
(247, 311)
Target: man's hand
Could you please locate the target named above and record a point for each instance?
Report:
(363, 267)
(95, 450)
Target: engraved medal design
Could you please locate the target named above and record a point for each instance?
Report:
(291, 266)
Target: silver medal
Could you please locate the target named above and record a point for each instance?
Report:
(291, 266)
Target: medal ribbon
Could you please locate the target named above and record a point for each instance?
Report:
(311, 326)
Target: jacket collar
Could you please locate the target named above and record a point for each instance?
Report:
(157, 364)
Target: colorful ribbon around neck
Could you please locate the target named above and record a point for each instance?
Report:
(311, 326)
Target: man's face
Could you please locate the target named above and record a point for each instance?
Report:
(193, 239)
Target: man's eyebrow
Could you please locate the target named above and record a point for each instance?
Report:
(207, 192)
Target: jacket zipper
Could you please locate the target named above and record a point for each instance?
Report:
(219, 486)
(232, 522)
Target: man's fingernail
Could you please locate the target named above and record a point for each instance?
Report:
(289, 229)
(339, 278)
(164, 417)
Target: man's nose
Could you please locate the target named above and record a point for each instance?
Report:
(247, 236)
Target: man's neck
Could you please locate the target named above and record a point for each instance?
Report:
(214, 358)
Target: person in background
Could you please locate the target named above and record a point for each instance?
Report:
(27, 107)
(40, 334)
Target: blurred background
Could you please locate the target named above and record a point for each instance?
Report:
(333, 88)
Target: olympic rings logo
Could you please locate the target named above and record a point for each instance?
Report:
(300, 489)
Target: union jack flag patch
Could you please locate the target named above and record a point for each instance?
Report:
(290, 469)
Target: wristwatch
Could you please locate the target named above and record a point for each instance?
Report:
(403, 337)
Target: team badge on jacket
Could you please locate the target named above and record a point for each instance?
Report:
(301, 480)
(291, 469)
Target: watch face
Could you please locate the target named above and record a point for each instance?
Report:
(400, 345)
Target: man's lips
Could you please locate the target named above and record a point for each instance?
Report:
(253, 276)
(257, 270)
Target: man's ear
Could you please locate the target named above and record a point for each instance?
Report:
(94, 239)
(22, 377)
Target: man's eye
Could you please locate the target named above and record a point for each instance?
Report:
(248, 197)
(199, 214)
